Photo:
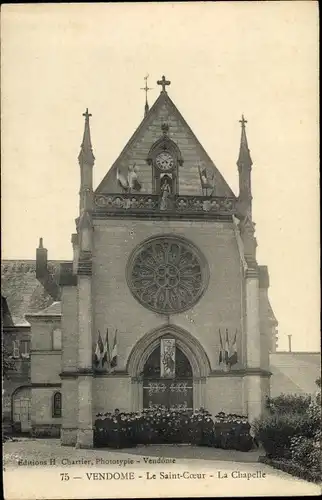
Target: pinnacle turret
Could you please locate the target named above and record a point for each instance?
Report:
(244, 158)
(86, 153)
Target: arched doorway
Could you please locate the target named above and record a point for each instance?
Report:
(21, 409)
(187, 344)
(174, 393)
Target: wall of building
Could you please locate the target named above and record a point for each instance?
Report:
(42, 421)
(224, 394)
(17, 379)
(46, 367)
(114, 307)
(110, 393)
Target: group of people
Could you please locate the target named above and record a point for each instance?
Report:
(163, 425)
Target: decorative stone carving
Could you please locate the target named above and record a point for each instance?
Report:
(148, 203)
(167, 274)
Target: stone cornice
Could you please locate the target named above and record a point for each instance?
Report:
(16, 329)
(244, 372)
(121, 373)
(40, 385)
(49, 318)
(161, 216)
(80, 372)
(96, 374)
(251, 273)
(49, 352)
(186, 207)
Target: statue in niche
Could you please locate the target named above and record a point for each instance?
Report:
(166, 190)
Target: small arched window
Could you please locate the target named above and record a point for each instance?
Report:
(57, 403)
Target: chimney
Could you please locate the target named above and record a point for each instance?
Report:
(289, 343)
(41, 262)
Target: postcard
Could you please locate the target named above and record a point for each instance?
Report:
(160, 250)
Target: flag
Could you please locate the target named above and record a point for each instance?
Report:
(232, 360)
(132, 178)
(226, 348)
(121, 179)
(168, 358)
(221, 358)
(106, 354)
(98, 350)
(114, 352)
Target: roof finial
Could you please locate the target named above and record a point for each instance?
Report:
(243, 121)
(244, 154)
(86, 152)
(164, 83)
(146, 88)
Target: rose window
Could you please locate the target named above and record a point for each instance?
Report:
(167, 275)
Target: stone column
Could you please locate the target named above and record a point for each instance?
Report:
(252, 319)
(253, 394)
(69, 325)
(135, 396)
(84, 362)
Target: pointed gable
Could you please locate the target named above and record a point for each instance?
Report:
(149, 131)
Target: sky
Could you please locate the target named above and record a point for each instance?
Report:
(223, 59)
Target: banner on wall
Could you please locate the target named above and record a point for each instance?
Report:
(168, 358)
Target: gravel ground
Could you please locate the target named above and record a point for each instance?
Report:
(66, 472)
(46, 449)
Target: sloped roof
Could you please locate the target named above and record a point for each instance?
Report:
(294, 372)
(53, 310)
(6, 318)
(147, 133)
(23, 292)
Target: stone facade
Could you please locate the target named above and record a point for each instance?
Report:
(16, 388)
(95, 295)
(46, 362)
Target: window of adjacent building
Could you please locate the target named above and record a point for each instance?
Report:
(57, 403)
(25, 349)
(57, 339)
(15, 349)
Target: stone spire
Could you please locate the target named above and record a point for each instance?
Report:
(86, 153)
(244, 164)
(86, 161)
(244, 159)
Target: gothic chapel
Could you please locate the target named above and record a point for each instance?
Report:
(164, 302)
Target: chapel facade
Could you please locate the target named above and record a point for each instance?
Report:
(164, 302)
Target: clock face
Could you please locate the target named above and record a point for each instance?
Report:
(164, 161)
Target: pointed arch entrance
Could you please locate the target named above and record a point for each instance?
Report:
(173, 393)
(191, 353)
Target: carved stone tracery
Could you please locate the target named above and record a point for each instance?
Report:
(167, 275)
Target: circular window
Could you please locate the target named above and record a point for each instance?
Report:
(167, 274)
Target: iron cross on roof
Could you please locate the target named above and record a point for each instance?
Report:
(243, 121)
(146, 88)
(163, 82)
(87, 114)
